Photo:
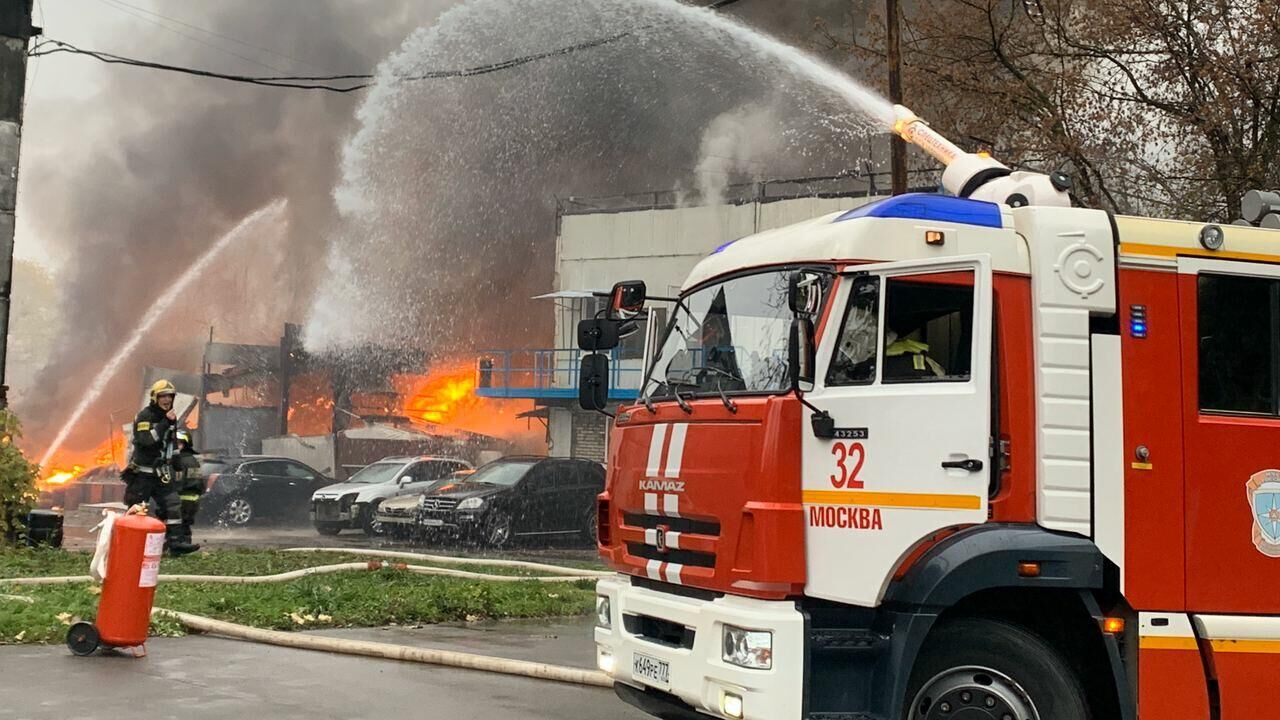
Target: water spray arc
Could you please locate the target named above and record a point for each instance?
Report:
(272, 211)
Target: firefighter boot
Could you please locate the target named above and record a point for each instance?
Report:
(174, 541)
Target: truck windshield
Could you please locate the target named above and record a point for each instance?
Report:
(726, 337)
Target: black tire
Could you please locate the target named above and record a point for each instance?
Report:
(328, 528)
(498, 530)
(590, 530)
(370, 524)
(238, 511)
(83, 639)
(994, 669)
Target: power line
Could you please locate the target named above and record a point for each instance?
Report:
(212, 33)
(320, 82)
(111, 4)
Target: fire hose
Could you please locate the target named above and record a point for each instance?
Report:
(450, 560)
(389, 651)
(306, 572)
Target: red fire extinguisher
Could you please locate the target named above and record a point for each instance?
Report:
(128, 588)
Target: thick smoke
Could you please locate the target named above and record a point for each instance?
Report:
(134, 181)
(421, 212)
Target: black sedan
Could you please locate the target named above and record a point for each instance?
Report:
(242, 489)
(517, 496)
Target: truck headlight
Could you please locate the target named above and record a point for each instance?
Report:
(751, 649)
(474, 503)
(604, 612)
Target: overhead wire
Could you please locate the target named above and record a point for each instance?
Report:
(330, 83)
(120, 7)
(213, 33)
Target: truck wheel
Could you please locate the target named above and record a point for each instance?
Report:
(328, 528)
(986, 669)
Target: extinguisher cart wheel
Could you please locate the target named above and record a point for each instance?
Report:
(83, 639)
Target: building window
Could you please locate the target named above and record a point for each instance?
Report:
(854, 362)
(928, 328)
(1239, 337)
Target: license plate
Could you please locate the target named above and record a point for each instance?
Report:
(651, 671)
(432, 522)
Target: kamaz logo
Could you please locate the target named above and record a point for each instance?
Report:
(675, 486)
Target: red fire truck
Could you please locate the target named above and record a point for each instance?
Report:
(980, 455)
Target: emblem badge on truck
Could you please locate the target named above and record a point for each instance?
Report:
(1263, 490)
(660, 541)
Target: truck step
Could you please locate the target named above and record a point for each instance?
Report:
(847, 639)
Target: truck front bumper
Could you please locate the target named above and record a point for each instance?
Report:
(686, 634)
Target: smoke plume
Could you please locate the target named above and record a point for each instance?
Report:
(421, 212)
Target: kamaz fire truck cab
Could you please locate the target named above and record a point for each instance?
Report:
(973, 456)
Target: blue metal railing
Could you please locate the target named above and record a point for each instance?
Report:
(543, 374)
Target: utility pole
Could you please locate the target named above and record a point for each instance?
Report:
(15, 32)
(893, 51)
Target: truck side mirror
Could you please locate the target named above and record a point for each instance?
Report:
(627, 300)
(800, 354)
(593, 382)
(595, 334)
(804, 293)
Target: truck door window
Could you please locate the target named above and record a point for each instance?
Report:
(1238, 327)
(928, 333)
(855, 358)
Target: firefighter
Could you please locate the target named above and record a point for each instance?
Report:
(149, 474)
(188, 480)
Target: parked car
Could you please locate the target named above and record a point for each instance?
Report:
(242, 489)
(518, 496)
(354, 503)
(399, 515)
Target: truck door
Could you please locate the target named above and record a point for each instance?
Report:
(904, 369)
(1230, 323)
(1231, 430)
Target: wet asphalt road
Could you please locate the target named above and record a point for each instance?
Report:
(201, 678)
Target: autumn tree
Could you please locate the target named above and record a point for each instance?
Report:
(1161, 107)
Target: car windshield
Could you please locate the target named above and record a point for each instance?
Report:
(505, 474)
(729, 336)
(376, 473)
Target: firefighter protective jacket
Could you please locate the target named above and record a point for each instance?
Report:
(150, 432)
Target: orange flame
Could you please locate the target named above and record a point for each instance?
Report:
(68, 465)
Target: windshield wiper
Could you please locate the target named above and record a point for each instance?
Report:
(684, 405)
(724, 397)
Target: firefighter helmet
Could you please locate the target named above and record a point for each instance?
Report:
(162, 387)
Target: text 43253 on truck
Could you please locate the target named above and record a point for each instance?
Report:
(984, 455)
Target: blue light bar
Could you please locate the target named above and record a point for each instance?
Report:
(927, 206)
(722, 247)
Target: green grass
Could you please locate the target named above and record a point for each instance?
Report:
(358, 599)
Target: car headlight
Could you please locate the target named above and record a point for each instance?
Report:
(604, 612)
(471, 503)
(751, 649)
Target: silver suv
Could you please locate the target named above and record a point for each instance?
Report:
(354, 503)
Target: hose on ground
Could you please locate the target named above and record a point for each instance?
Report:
(374, 565)
(451, 560)
(388, 651)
